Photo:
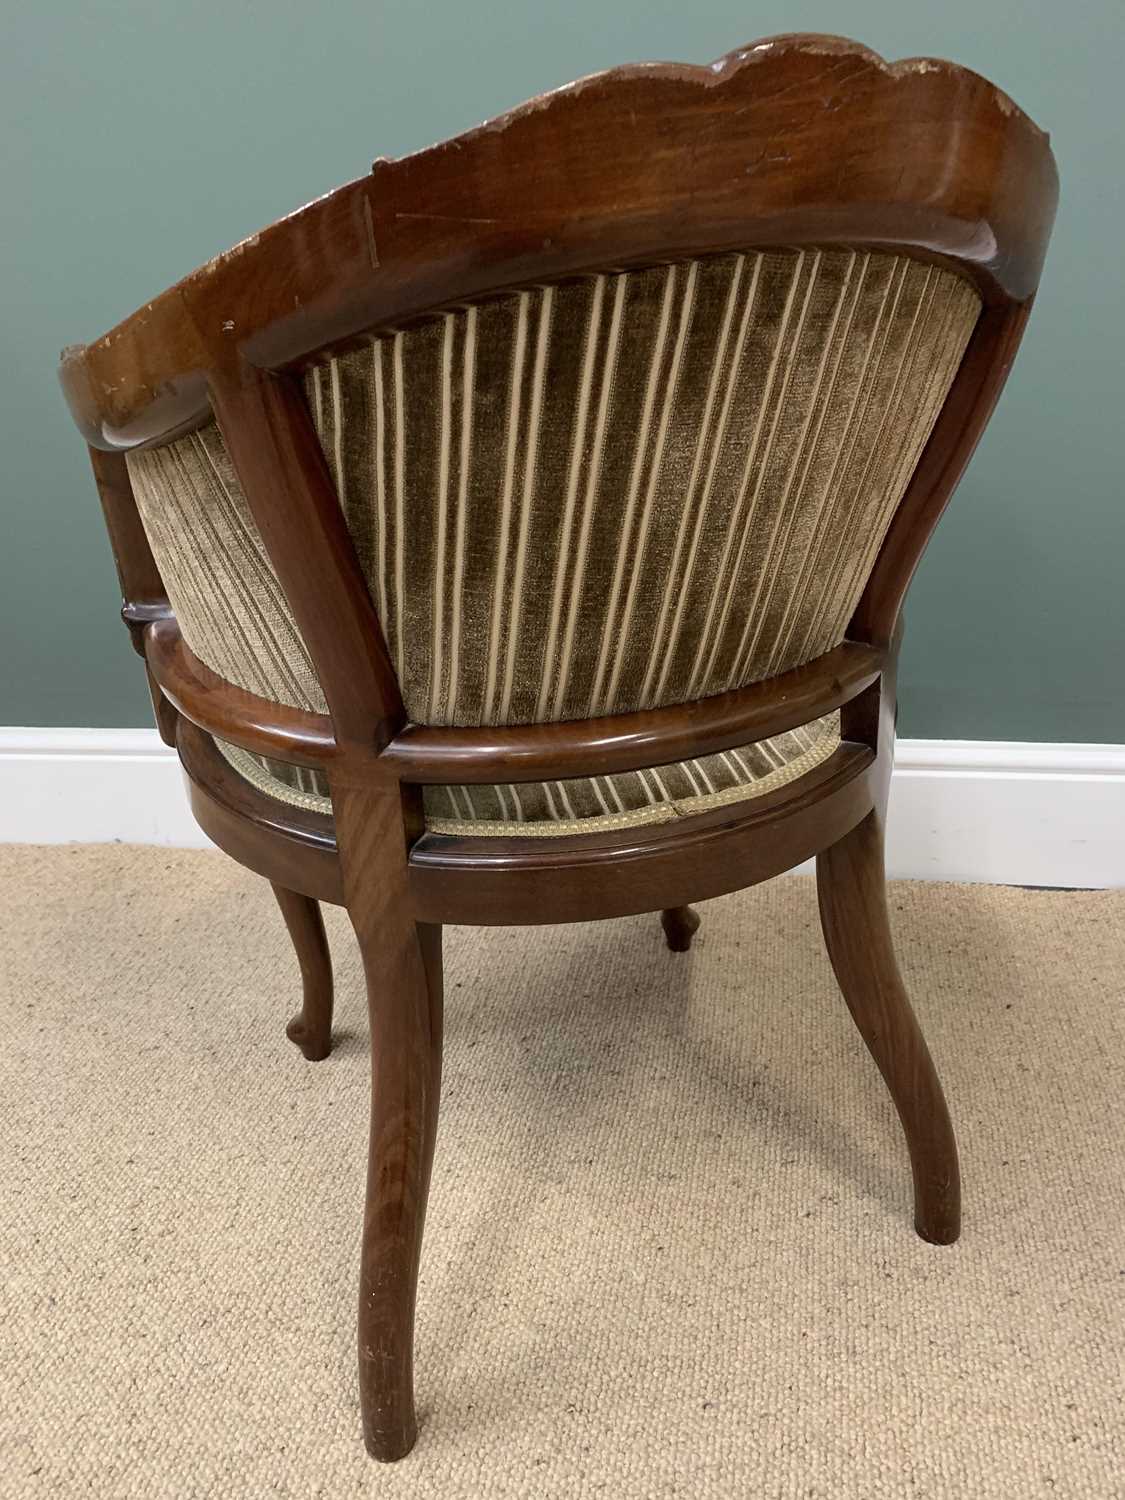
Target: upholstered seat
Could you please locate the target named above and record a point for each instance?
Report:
(586, 805)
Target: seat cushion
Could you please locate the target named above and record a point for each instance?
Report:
(584, 805)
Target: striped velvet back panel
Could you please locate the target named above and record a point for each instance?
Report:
(622, 491)
(220, 582)
(636, 489)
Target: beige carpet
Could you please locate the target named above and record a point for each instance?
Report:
(669, 1250)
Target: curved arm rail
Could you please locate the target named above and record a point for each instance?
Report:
(228, 711)
(626, 742)
(518, 752)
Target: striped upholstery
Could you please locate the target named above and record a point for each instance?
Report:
(626, 490)
(220, 583)
(636, 489)
(589, 804)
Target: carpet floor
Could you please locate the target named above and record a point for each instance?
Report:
(669, 1249)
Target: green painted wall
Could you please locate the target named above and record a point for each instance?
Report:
(138, 138)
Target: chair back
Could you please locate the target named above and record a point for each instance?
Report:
(648, 391)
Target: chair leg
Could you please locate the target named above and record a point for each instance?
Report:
(311, 1027)
(680, 924)
(405, 1084)
(403, 968)
(851, 888)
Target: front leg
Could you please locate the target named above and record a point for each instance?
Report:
(311, 1027)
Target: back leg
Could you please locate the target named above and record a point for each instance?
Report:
(403, 968)
(311, 1027)
(680, 924)
(852, 893)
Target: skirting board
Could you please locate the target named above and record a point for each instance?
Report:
(975, 810)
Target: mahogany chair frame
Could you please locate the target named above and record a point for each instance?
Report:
(792, 141)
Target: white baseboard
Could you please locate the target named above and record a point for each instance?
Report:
(1008, 813)
(93, 786)
(976, 810)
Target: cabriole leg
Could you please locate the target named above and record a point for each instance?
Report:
(680, 924)
(403, 969)
(851, 889)
(311, 1027)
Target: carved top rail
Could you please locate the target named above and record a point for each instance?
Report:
(791, 139)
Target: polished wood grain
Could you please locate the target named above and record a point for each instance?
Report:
(142, 590)
(269, 432)
(163, 710)
(311, 1028)
(228, 711)
(527, 752)
(290, 846)
(403, 970)
(853, 911)
(790, 141)
(648, 737)
(623, 872)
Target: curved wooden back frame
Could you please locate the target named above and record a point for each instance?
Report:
(793, 141)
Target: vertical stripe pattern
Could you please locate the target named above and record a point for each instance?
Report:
(665, 483)
(221, 585)
(622, 491)
(587, 803)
